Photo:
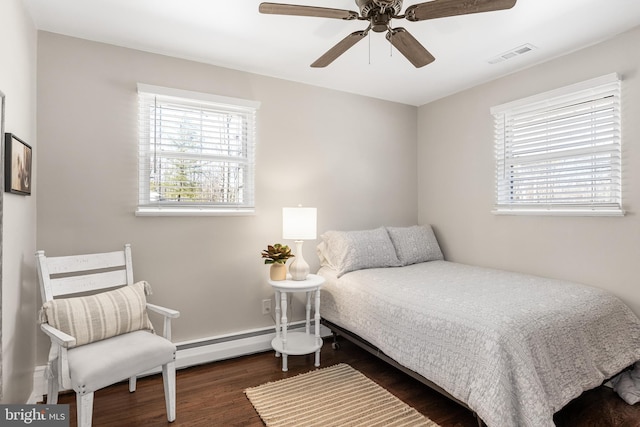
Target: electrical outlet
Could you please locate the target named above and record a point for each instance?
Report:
(266, 306)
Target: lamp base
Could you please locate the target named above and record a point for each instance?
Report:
(299, 269)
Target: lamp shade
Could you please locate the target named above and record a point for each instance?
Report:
(299, 223)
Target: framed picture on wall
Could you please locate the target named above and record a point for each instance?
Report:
(17, 168)
(1, 221)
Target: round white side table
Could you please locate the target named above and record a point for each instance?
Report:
(297, 343)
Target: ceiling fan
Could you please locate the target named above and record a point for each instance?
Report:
(379, 13)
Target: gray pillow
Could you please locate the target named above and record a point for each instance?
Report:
(415, 244)
(348, 251)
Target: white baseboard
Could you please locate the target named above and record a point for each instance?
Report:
(198, 352)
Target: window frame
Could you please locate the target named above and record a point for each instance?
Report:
(198, 101)
(605, 88)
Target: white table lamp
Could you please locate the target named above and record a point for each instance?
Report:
(299, 224)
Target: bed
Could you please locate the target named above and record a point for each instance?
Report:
(513, 348)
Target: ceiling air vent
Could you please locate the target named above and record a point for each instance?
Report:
(520, 50)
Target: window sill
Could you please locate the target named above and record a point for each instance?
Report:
(167, 211)
(559, 212)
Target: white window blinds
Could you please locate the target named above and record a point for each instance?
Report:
(560, 152)
(196, 153)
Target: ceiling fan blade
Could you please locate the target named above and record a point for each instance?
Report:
(411, 48)
(340, 48)
(443, 8)
(319, 12)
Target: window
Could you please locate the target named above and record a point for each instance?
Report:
(560, 152)
(196, 153)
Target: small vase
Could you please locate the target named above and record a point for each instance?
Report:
(278, 271)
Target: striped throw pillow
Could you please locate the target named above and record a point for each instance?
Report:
(100, 316)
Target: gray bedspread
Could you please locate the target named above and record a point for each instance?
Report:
(516, 348)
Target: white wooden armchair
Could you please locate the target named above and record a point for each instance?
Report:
(104, 336)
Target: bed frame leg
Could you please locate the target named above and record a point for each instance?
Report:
(335, 344)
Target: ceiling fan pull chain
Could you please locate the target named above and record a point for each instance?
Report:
(369, 37)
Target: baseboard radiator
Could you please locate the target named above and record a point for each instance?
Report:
(201, 351)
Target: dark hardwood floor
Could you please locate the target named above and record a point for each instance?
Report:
(212, 395)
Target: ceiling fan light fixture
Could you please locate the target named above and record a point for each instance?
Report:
(380, 22)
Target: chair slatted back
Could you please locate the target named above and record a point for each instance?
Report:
(68, 275)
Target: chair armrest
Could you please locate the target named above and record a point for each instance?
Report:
(168, 315)
(166, 312)
(62, 339)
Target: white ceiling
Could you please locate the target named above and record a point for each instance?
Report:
(231, 33)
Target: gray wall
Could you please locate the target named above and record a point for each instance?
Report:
(18, 41)
(456, 178)
(350, 156)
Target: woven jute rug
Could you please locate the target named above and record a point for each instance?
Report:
(334, 396)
